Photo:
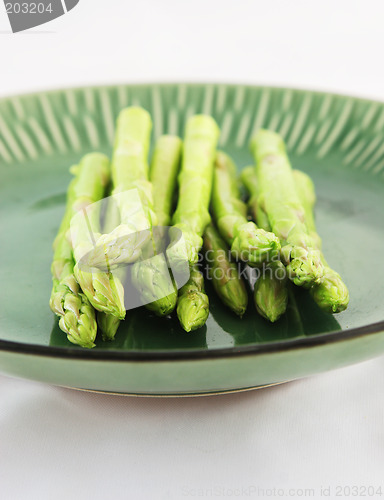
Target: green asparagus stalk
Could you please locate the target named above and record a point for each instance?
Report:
(331, 294)
(195, 185)
(248, 242)
(103, 290)
(224, 274)
(108, 323)
(129, 172)
(192, 216)
(151, 276)
(306, 192)
(249, 180)
(280, 201)
(271, 289)
(163, 176)
(77, 316)
(193, 303)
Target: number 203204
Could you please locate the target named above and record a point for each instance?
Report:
(28, 8)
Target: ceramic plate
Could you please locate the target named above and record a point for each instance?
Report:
(337, 140)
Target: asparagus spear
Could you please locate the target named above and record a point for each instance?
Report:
(148, 275)
(108, 323)
(271, 290)
(306, 192)
(195, 185)
(247, 241)
(280, 201)
(103, 290)
(192, 216)
(249, 180)
(331, 294)
(151, 276)
(193, 303)
(163, 175)
(224, 274)
(129, 172)
(77, 316)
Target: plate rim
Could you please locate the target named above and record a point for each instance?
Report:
(260, 85)
(74, 352)
(162, 355)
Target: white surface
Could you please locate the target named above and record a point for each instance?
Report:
(317, 433)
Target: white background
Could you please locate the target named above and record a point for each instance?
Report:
(317, 433)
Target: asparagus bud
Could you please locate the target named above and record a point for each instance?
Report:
(193, 303)
(331, 294)
(271, 292)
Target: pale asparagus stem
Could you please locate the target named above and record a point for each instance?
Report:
(151, 276)
(279, 199)
(77, 316)
(103, 290)
(248, 242)
(224, 274)
(331, 294)
(130, 177)
(271, 289)
(193, 303)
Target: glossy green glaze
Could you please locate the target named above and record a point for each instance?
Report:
(337, 140)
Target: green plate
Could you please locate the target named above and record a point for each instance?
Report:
(337, 140)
